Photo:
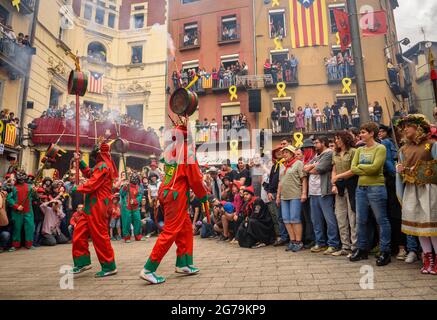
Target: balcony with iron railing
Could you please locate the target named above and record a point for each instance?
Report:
(189, 41)
(227, 35)
(15, 58)
(27, 6)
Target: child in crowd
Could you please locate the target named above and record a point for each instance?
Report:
(115, 213)
(74, 219)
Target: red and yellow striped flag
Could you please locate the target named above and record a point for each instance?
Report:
(309, 23)
(10, 135)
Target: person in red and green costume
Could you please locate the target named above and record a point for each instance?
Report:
(94, 223)
(20, 200)
(182, 173)
(131, 196)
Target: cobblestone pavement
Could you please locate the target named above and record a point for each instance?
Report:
(227, 272)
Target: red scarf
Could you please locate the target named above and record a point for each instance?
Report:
(289, 164)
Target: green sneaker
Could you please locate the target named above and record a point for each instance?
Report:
(189, 270)
(77, 270)
(151, 277)
(102, 274)
(318, 248)
(374, 251)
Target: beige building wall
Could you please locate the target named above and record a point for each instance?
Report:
(124, 83)
(313, 84)
(11, 89)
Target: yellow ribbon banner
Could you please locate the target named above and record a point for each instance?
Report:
(16, 3)
(278, 44)
(192, 82)
(281, 89)
(234, 150)
(337, 35)
(2, 126)
(275, 3)
(233, 93)
(346, 85)
(298, 138)
(427, 147)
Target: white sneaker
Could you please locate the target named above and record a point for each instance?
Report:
(151, 277)
(411, 257)
(187, 270)
(402, 255)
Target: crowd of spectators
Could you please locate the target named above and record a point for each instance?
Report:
(339, 66)
(223, 77)
(9, 117)
(308, 198)
(12, 45)
(337, 116)
(282, 70)
(90, 113)
(318, 197)
(57, 209)
(208, 130)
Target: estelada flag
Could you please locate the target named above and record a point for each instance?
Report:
(374, 23)
(343, 27)
(10, 135)
(207, 81)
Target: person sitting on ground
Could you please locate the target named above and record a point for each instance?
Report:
(257, 230)
(51, 231)
(228, 218)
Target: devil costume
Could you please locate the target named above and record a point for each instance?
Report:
(182, 173)
(94, 223)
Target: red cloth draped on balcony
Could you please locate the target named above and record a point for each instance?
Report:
(49, 130)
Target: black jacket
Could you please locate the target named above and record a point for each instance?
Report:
(273, 179)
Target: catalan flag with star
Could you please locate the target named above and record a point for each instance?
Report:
(309, 21)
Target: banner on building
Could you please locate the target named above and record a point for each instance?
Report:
(374, 23)
(10, 135)
(207, 81)
(343, 27)
(309, 19)
(95, 83)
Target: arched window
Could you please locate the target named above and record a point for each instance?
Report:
(97, 51)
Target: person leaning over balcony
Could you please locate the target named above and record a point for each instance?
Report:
(355, 115)
(300, 119)
(377, 111)
(344, 116)
(275, 120)
(294, 63)
(328, 113)
(283, 120)
(308, 112)
(344, 184)
(368, 164)
(291, 119)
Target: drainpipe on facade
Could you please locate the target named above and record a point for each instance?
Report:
(26, 79)
(255, 55)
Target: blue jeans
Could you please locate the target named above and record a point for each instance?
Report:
(4, 239)
(283, 233)
(337, 122)
(376, 198)
(412, 244)
(322, 210)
